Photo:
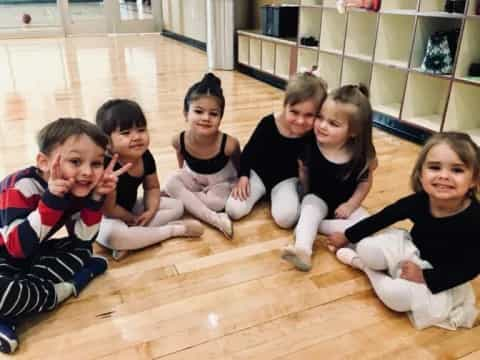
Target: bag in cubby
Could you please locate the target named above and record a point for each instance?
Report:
(440, 52)
(457, 6)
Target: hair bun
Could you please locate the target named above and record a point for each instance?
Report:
(363, 89)
(211, 80)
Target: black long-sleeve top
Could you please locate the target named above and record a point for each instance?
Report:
(450, 244)
(271, 155)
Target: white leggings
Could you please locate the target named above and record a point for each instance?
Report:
(116, 235)
(312, 220)
(285, 201)
(385, 252)
(203, 195)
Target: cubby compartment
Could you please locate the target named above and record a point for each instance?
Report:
(255, 53)
(243, 47)
(472, 8)
(329, 67)
(393, 46)
(307, 59)
(361, 32)
(282, 61)
(426, 26)
(461, 111)
(311, 2)
(268, 57)
(436, 7)
(332, 36)
(399, 6)
(425, 100)
(355, 71)
(469, 51)
(309, 25)
(330, 3)
(387, 88)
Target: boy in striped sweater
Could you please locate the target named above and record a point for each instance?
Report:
(65, 188)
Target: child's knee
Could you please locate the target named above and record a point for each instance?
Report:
(395, 297)
(236, 209)
(173, 185)
(371, 256)
(215, 203)
(177, 208)
(286, 217)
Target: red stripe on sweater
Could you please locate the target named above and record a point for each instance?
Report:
(48, 216)
(13, 198)
(13, 245)
(90, 217)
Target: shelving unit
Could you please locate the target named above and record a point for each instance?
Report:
(383, 50)
(332, 35)
(387, 88)
(330, 66)
(361, 32)
(463, 99)
(393, 45)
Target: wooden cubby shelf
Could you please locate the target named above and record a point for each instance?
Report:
(425, 101)
(307, 59)
(355, 71)
(387, 88)
(469, 51)
(384, 50)
(309, 25)
(393, 46)
(268, 57)
(426, 26)
(361, 32)
(460, 117)
(332, 35)
(329, 67)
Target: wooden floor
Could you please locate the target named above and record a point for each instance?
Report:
(212, 298)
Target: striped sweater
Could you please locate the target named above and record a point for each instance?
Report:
(30, 214)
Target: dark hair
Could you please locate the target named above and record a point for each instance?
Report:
(465, 148)
(303, 87)
(210, 85)
(120, 114)
(58, 131)
(359, 125)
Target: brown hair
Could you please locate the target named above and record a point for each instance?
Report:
(304, 87)
(359, 125)
(465, 148)
(58, 131)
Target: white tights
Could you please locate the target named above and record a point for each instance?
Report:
(285, 201)
(116, 235)
(312, 220)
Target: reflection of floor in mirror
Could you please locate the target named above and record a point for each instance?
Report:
(47, 14)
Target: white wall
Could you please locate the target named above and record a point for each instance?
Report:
(186, 17)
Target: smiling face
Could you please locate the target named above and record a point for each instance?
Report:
(204, 115)
(130, 144)
(332, 125)
(444, 177)
(300, 116)
(81, 160)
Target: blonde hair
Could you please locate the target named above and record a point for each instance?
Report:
(305, 87)
(465, 148)
(360, 125)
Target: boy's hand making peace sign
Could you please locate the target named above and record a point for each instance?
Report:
(57, 185)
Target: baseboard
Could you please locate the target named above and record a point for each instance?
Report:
(400, 128)
(186, 40)
(262, 76)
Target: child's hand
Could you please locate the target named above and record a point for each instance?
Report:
(144, 218)
(337, 240)
(241, 191)
(109, 179)
(57, 185)
(343, 211)
(412, 272)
